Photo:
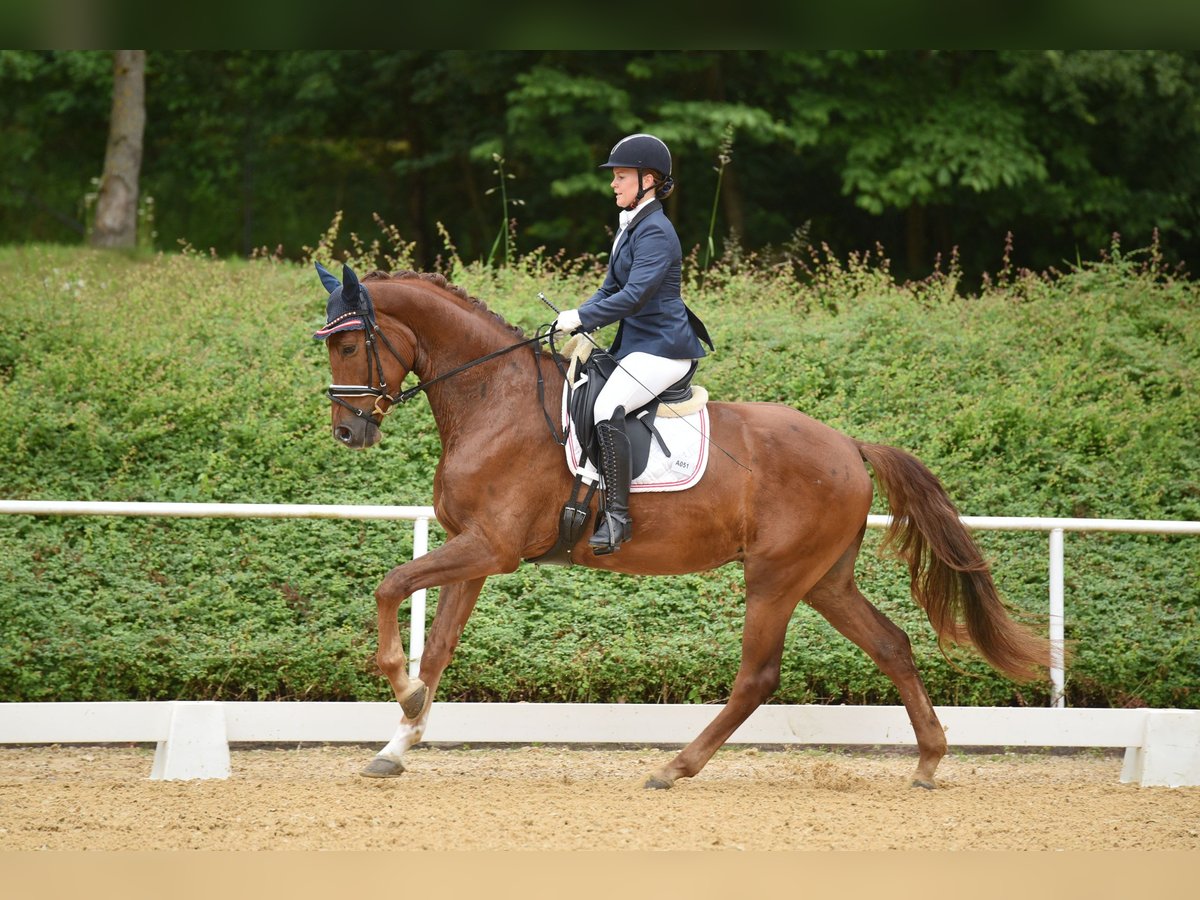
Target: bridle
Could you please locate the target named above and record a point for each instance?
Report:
(377, 387)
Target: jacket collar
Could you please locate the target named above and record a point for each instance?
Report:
(652, 207)
(639, 214)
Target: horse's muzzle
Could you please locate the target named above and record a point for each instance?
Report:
(357, 433)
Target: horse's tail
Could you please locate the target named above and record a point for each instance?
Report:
(950, 579)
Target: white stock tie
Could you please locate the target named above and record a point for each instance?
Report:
(624, 218)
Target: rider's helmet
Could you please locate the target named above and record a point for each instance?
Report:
(640, 151)
(646, 153)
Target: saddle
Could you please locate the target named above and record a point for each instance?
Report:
(587, 373)
(584, 384)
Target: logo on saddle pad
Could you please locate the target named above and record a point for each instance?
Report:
(669, 439)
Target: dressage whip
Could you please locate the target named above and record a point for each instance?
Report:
(665, 403)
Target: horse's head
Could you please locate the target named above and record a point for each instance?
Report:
(353, 337)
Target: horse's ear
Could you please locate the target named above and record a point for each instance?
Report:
(350, 285)
(328, 279)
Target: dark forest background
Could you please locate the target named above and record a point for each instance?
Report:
(924, 153)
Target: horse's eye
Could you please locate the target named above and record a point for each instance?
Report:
(349, 349)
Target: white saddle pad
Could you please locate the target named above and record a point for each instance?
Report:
(686, 437)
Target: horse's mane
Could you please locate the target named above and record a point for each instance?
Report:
(438, 280)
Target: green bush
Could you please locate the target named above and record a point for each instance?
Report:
(184, 378)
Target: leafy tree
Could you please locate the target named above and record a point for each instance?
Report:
(1120, 131)
(922, 151)
(54, 112)
(1062, 147)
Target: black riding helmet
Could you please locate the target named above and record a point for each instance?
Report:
(643, 152)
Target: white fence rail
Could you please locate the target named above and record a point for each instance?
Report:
(1163, 746)
(421, 516)
(418, 515)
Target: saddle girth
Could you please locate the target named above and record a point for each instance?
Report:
(571, 524)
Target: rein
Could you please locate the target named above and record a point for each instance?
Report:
(336, 392)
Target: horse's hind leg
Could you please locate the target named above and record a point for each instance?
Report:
(768, 608)
(839, 600)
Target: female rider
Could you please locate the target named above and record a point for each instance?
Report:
(658, 341)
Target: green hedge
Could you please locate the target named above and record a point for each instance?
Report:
(184, 378)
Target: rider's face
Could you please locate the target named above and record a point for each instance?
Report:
(625, 186)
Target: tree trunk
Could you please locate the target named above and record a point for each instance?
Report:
(116, 207)
(916, 245)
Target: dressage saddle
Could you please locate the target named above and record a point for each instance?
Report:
(639, 423)
(639, 426)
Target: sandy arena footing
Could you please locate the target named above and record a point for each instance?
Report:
(547, 798)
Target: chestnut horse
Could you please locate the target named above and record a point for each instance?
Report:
(788, 499)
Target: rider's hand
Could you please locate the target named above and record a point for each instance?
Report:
(567, 322)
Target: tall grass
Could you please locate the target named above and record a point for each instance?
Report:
(182, 377)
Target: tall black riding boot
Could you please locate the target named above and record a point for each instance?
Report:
(615, 526)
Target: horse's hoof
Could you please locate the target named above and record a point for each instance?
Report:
(382, 767)
(923, 783)
(415, 701)
(654, 783)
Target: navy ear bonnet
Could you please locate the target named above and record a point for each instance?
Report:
(349, 303)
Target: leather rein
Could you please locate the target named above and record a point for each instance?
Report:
(379, 390)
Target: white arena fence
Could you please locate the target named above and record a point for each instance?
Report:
(1162, 746)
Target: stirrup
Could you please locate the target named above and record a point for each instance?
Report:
(602, 542)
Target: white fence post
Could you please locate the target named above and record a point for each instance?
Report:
(1169, 752)
(416, 631)
(1057, 621)
(196, 745)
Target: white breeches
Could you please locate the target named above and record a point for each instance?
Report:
(637, 380)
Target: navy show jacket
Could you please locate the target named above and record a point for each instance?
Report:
(642, 290)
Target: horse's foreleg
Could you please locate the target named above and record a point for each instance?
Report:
(462, 558)
(757, 678)
(454, 607)
(466, 557)
(411, 693)
(839, 600)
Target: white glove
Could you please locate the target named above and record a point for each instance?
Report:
(567, 322)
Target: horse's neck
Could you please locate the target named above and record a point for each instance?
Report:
(450, 334)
